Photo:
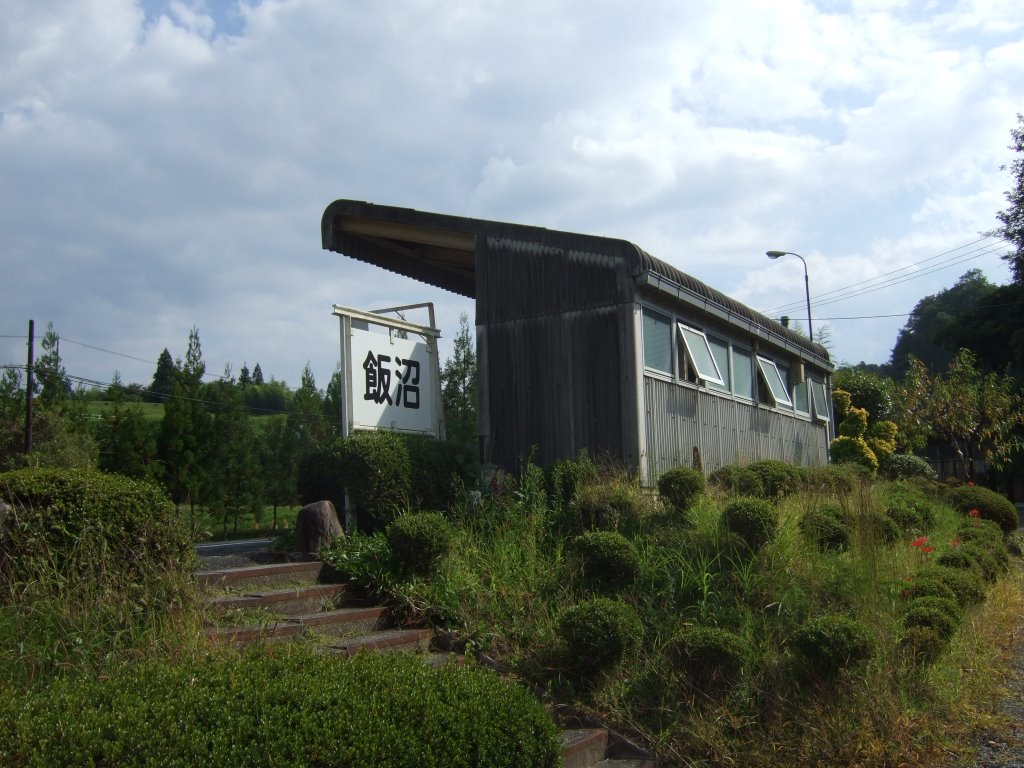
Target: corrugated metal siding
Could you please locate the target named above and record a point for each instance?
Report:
(555, 346)
(726, 431)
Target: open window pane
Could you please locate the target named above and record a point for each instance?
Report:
(800, 402)
(657, 342)
(818, 397)
(720, 351)
(699, 352)
(776, 386)
(742, 373)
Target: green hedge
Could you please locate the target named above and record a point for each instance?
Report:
(989, 505)
(294, 709)
(680, 487)
(86, 527)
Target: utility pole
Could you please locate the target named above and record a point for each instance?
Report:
(29, 385)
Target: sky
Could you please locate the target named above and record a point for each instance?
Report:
(165, 164)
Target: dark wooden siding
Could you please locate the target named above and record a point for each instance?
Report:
(557, 325)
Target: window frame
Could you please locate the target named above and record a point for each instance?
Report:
(763, 365)
(659, 317)
(815, 387)
(702, 375)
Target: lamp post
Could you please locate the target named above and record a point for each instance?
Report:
(807, 284)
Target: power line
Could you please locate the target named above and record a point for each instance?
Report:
(852, 290)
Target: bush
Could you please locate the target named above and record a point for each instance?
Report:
(609, 560)
(300, 708)
(902, 466)
(990, 505)
(707, 655)
(947, 605)
(754, 521)
(681, 487)
(928, 587)
(922, 613)
(840, 479)
(609, 506)
(877, 527)
(833, 642)
(923, 643)
(854, 423)
(378, 476)
(778, 478)
(737, 480)
(320, 475)
(437, 468)
(852, 450)
(80, 528)
(418, 540)
(823, 528)
(972, 556)
(965, 584)
(907, 504)
(564, 479)
(597, 634)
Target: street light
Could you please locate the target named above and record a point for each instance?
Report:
(807, 284)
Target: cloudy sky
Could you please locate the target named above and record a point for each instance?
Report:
(164, 164)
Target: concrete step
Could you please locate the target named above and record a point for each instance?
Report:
(273, 574)
(290, 602)
(388, 640)
(583, 747)
(243, 635)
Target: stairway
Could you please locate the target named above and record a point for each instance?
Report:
(283, 601)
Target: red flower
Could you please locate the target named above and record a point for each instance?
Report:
(920, 541)
(970, 483)
(975, 513)
(927, 550)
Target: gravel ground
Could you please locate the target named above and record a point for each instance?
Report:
(1006, 750)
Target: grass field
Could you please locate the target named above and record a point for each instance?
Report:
(152, 411)
(211, 528)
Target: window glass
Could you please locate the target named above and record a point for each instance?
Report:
(818, 397)
(657, 342)
(776, 386)
(699, 353)
(784, 374)
(800, 397)
(720, 351)
(742, 373)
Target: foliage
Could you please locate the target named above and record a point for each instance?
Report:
(127, 441)
(853, 450)
(823, 526)
(377, 475)
(563, 480)
(854, 423)
(301, 708)
(754, 521)
(965, 585)
(931, 613)
(867, 390)
(418, 540)
(778, 478)
(162, 385)
(707, 655)
(680, 487)
(439, 468)
(737, 480)
(900, 466)
(611, 504)
(459, 390)
(990, 505)
(597, 634)
(976, 414)
(832, 642)
(1011, 220)
(608, 559)
(839, 479)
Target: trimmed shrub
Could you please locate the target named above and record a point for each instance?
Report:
(597, 634)
(737, 480)
(923, 643)
(300, 708)
(1015, 544)
(754, 521)
(854, 450)
(436, 469)
(823, 527)
(923, 614)
(778, 478)
(418, 540)
(854, 423)
(320, 475)
(965, 584)
(103, 532)
(990, 505)
(609, 560)
(833, 642)
(707, 655)
(877, 527)
(919, 589)
(902, 466)
(608, 506)
(840, 479)
(909, 506)
(564, 479)
(947, 605)
(680, 487)
(378, 476)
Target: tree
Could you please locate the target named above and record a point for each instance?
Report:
(977, 414)
(184, 429)
(163, 379)
(306, 414)
(278, 461)
(257, 375)
(934, 323)
(1011, 220)
(458, 388)
(232, 480)
(12, 418)
(54, 386)
(127, 444)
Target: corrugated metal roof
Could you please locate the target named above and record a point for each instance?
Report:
(440, 250)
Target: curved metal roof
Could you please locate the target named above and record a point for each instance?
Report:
(440, 250)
